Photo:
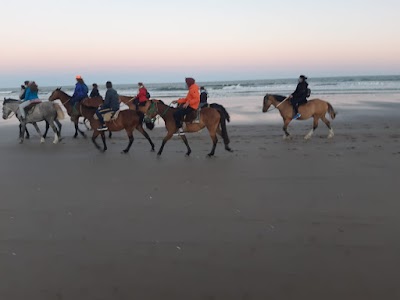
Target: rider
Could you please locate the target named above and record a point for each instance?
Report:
(23, 90)
(203, 96)
(190, 103)
(31, 95)
(111, 104)
(95, 91)
(81, 91)
(142, 96)
(299, 96)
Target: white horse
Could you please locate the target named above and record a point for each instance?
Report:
(45, 111)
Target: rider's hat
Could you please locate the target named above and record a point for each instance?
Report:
(78, 77)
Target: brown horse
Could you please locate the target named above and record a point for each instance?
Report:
(315, 108)
(127, 119)
(75, 119)
(213, 117)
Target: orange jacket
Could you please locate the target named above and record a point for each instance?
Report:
(193, 97)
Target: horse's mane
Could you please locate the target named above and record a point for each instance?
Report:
(60, 90)
(278, 98)
(9, 100)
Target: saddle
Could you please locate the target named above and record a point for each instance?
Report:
(31, 107)
(92, 102)
(194, 117)
(109, 116)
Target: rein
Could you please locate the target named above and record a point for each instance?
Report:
(154, 108)
(276, 107)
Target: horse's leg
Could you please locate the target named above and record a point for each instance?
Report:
(78, 130)
(184, 139)
(315, 125)
(165, 140)
(21, 133)
(110, 134)
(285, 126)
(328, 124)
(59, 127)
(94, 136)
(42, 138)
(55, 130)
(103, 138)
(47, 129)
(26, 131)
(213, 134)
(142, 131)
(129, 132)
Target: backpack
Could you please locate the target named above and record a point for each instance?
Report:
(147, 95)
(308, 93)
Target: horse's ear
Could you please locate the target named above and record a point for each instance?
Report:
(59, 89)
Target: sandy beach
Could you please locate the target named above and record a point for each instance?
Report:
(275, 219)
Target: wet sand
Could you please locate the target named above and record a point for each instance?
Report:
(273, 220)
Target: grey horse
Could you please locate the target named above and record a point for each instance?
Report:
(44, 111)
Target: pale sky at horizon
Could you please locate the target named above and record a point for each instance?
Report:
(165, 41)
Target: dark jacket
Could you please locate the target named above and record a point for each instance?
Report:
(300, 94)
(111, 100)
(95, 93)
(203, 97)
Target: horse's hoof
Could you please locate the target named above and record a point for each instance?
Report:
(287, 137)
(188, 154)
(124, 151)
(228, 149)
(27, 137)
(307, 137)
(42, 140)
(75, 136)
(210, 155)
(21, 141)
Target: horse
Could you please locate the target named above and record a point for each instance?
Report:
(315, 108)
(214, 117)
(42, 111)
(70, 109)
(27, 136)
(127, 119)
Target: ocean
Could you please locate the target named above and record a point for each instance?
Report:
(243, 99)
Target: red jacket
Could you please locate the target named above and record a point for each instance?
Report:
(193, 97)
(142, 96)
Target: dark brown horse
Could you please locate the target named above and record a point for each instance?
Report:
(127, 119)
(214, 118)
(315, 108)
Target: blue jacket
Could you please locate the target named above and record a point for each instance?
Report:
(29, 95)
(81, 91)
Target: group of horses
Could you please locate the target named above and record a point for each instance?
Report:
(214, 117)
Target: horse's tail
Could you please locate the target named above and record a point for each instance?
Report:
(60, 113)
(224, 117)
(331, 111)
(221, 110)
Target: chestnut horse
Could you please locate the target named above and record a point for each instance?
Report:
(127, 119)
(213, 117)
(315, 108)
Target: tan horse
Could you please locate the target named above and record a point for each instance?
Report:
(213, 117)
(127, 119)
(315, 108)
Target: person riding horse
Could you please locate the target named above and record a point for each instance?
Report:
(95, 91)
(142, 96)
(81, 92)
(299, 96)
(189, 104)
(111, 104)
(31, 96)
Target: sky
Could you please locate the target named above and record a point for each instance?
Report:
(165, 41)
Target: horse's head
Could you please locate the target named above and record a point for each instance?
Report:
(9, 108)
(266, 103)
(55, 95)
